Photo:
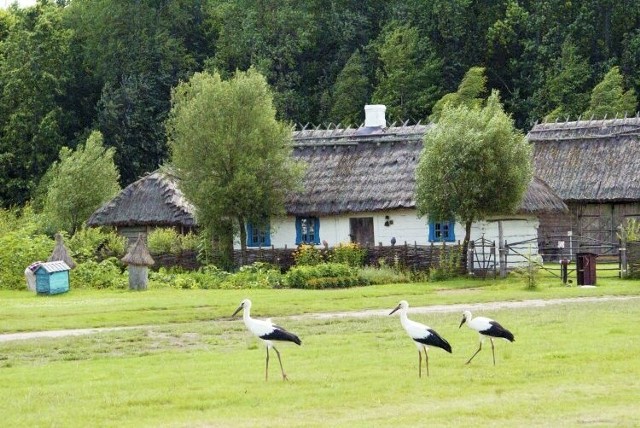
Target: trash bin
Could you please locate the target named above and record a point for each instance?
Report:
(586, 268)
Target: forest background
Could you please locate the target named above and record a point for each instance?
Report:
(68, 68)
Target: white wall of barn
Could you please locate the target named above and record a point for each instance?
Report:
(406, 227)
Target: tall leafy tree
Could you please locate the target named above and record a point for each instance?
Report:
(609, 99)
(566, 90)
(408, 81)
(135, 52)
(351, 92)
(474, 164)
(34, 69)
(470, 93)
(232, 155)
(79, 183)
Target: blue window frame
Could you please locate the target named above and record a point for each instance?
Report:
(258, 235)
(442, 231)
(307, 230)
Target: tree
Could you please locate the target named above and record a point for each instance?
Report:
(350, 92)
(409, 76)
(565, 84)
(232, 155)
(474, 164)
(34, 70)
(79, 183)
(470, 93)
(608, 98)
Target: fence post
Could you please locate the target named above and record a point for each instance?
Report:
(623, 260)
(503, 259)
(493, 250)
(470, 259)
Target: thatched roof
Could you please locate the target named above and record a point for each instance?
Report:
(348, 171)
(138, 254)
(60, 253)
(369, 169)
(589, 161)
(153, 200)
(353, 171)
(540, 198)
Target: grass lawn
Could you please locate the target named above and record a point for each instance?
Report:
(573, 364)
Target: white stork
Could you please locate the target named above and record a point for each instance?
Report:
(267, 332)
(421, 335)
(486, 327)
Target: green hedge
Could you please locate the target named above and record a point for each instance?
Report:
(325, 275)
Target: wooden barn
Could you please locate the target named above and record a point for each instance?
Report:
(153, 201)
(593, 166)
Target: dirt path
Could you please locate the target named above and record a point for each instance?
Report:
(352, 314)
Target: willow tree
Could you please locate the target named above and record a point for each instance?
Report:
(232, 155)
(79, 183)
(474, 164)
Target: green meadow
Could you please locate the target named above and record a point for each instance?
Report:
(187, 363)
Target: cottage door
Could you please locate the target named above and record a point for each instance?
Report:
(361, 231)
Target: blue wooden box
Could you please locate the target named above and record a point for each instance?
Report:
(52, 278)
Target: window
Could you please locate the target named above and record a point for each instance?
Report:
(442, 231)
(258, 235)
(307, 230)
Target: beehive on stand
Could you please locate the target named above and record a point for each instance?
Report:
(138, 261)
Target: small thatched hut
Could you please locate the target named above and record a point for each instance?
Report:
(153, 201)
(593, 166)
(138, 260)
(60, 253)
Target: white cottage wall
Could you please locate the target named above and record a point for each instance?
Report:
(405, 226)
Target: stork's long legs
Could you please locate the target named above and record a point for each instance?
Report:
(493, 351)
(284, 376)
(426, 360)
(479, 348)
(419, 363)
(266, 369)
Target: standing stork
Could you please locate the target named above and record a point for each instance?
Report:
(268, 332)
(421, 335)
(486, 327)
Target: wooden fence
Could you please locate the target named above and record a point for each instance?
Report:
(406, 256)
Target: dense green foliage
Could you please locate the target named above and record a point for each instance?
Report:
(22, 244)
(67, 68)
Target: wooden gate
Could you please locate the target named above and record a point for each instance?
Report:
(482, 258)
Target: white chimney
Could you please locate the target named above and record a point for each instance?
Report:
(374, 116)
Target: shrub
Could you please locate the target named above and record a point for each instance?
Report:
(21, 244)
(528, 272)
(163, 241)
(448, 264)
(324, 275)
(256, 275)
(189, 242)
(307, 255)
(350, 253)
(115, 245)
(99, 275)
(85, 243)
(383, 275)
